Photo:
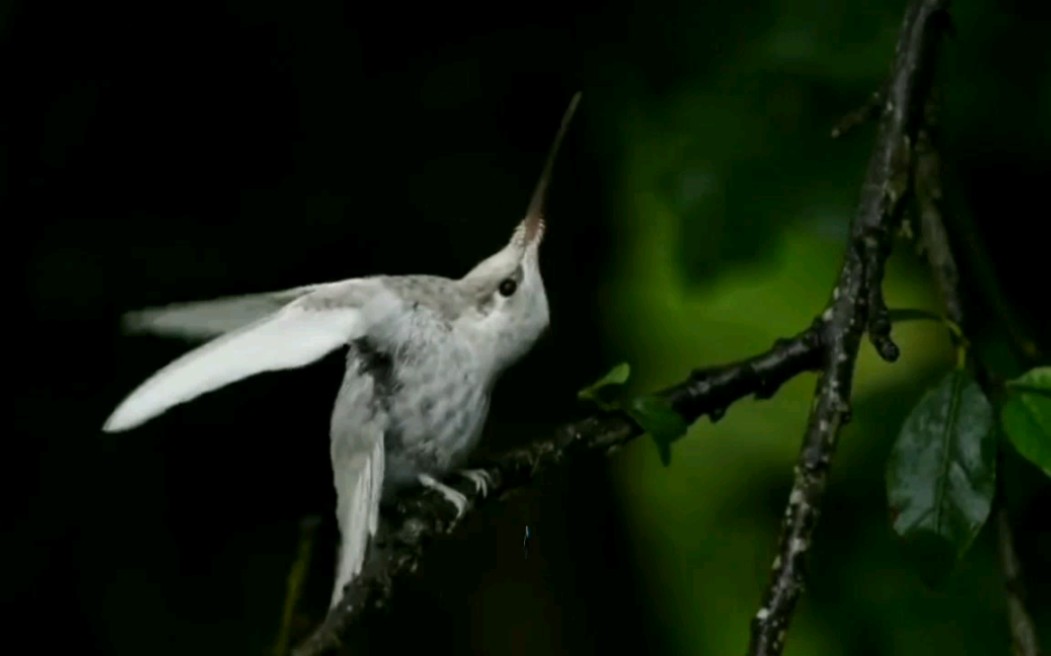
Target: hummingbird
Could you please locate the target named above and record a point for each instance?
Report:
(423, 355)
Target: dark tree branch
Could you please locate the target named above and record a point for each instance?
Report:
(1023, 633)
(934, 239)
(857, 305)
(942, 262)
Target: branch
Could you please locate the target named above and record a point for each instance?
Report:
(933, 237)
(946, 277)
(857, 117)
(857, 305)
(307, 530)
(418, 515)
(1023, 634)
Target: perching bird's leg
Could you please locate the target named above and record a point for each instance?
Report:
(452, 496)
(479, 477)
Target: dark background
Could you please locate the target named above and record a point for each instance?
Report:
(159, 152)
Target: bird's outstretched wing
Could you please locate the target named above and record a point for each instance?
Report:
(207, 319)
(315, 321)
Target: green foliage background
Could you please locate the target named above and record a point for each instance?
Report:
(733, 207)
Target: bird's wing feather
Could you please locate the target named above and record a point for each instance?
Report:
(298, 334)
(207, 319)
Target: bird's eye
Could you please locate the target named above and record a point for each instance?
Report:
(508, 287)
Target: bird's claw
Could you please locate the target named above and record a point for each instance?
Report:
(456, 498)
(480, 478)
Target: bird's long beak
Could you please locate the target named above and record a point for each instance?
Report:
(531, 230)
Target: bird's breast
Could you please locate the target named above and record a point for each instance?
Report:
(436, 404)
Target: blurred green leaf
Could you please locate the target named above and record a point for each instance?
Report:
(1026, 416)
(1035, 381)
(599, 391)
(660, 420)
(942, 468)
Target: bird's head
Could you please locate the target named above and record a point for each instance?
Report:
(506, 291)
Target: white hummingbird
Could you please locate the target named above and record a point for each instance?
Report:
(424, 354)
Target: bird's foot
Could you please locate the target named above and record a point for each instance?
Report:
(454, 497)
(480, 478)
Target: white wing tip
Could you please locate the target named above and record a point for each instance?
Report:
(116, 424)
(135, 321)
(121, 420)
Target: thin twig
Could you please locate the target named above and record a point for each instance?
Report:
(943, 267)
(1023, 633)
(857, 304)
(933, 237)
(867, 112)
(296, 576)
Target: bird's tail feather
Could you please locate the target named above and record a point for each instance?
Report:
(359, 483)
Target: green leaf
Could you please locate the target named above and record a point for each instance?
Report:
(1036, 380)
(660, 420)
(598, 392)
(1026, 416)
(941, 472)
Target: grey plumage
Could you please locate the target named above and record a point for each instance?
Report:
(423, 356)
